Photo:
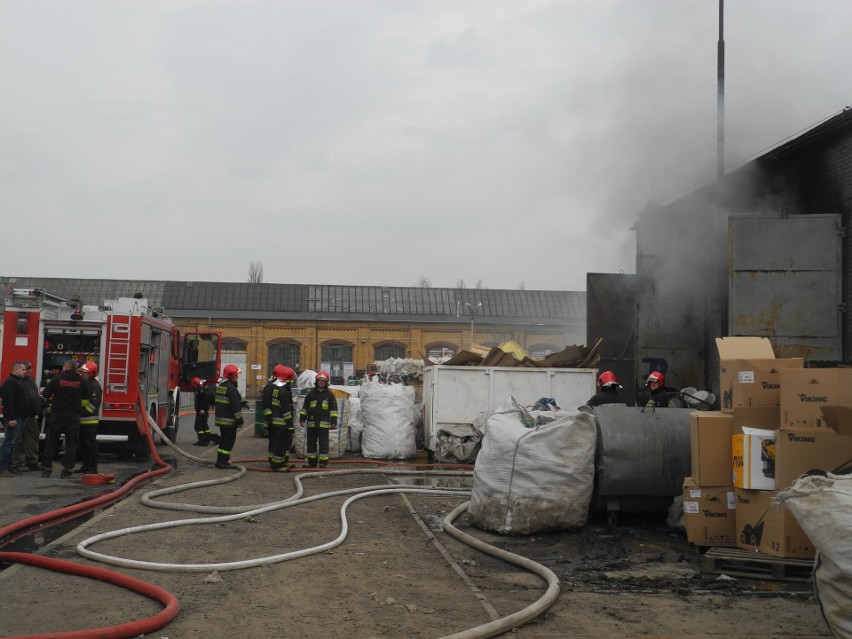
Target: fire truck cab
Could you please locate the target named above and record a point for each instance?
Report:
(137, 348)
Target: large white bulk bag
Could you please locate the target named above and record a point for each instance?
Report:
(823, 508)
(535, 471)
(387, 411)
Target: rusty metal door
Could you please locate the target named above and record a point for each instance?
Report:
(785, 283)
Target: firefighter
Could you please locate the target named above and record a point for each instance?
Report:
(320, 413)
(277, 401)
(658, 395)
(607, 391)
(203, 403)
(229, 414)
(88, 448)
(68, 394)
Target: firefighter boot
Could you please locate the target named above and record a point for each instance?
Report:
(224, 461)
(323, 463)
(310, 462)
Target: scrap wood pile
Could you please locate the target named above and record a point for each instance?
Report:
(510, 354)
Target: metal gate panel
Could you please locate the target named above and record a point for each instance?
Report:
(611, 315)
(785, 283)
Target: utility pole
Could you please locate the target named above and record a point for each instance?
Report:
(720, 95)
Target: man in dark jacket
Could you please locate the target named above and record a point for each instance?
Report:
(68, 395)
(229, 414)
(25, 457)
(15, 391)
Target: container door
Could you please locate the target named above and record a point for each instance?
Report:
(785, 283)
(611, 315)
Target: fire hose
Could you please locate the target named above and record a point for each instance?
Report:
(490, 629)
(120, 631)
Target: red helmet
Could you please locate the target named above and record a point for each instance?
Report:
(656, 376)
(231, 371)
(322, 375)
(607, 378)
(195, 382)
(89, 367)
(284, 373)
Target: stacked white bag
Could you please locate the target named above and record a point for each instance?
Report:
(387, 411)
(823, 508)
(534, 475)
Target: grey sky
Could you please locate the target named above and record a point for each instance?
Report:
(372, 142)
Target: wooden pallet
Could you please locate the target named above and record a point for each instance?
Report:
(737, 562)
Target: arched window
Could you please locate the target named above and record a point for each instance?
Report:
(283, 353)
(540, 351)
(233, 345)
(387, 351)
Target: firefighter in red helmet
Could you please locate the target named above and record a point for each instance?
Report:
(658, 395)
(277, 401)
(229, 414)
(319, 414)
(87, 449)
(608, 391)
(203, 404)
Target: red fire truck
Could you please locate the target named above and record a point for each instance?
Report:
(137, 348)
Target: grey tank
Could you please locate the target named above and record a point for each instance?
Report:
(642, 457)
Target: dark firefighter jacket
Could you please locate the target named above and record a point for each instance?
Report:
(229, 412)
(90, 410)
(203, 400)
(607, 395)
(320, 408)
(68, 392)
(278, 404)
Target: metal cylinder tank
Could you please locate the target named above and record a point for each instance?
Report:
(642, 457)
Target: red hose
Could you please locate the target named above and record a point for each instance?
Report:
(120, 631)
(62, 514)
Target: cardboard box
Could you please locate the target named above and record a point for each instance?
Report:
(749, 374)
(766, 417)
(709, 513)
(838, 418)
(710, 447)
(800, 452)
(806, 391)
(753, 459)
(764, 527)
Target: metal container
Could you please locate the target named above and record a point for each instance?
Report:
(642, 458)
(462, 394)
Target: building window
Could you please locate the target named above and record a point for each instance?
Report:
(540, 351)
(233, 345)
(388, 351)
(337, 360)
(287, 354)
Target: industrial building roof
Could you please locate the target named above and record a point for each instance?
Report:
(316, 301)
